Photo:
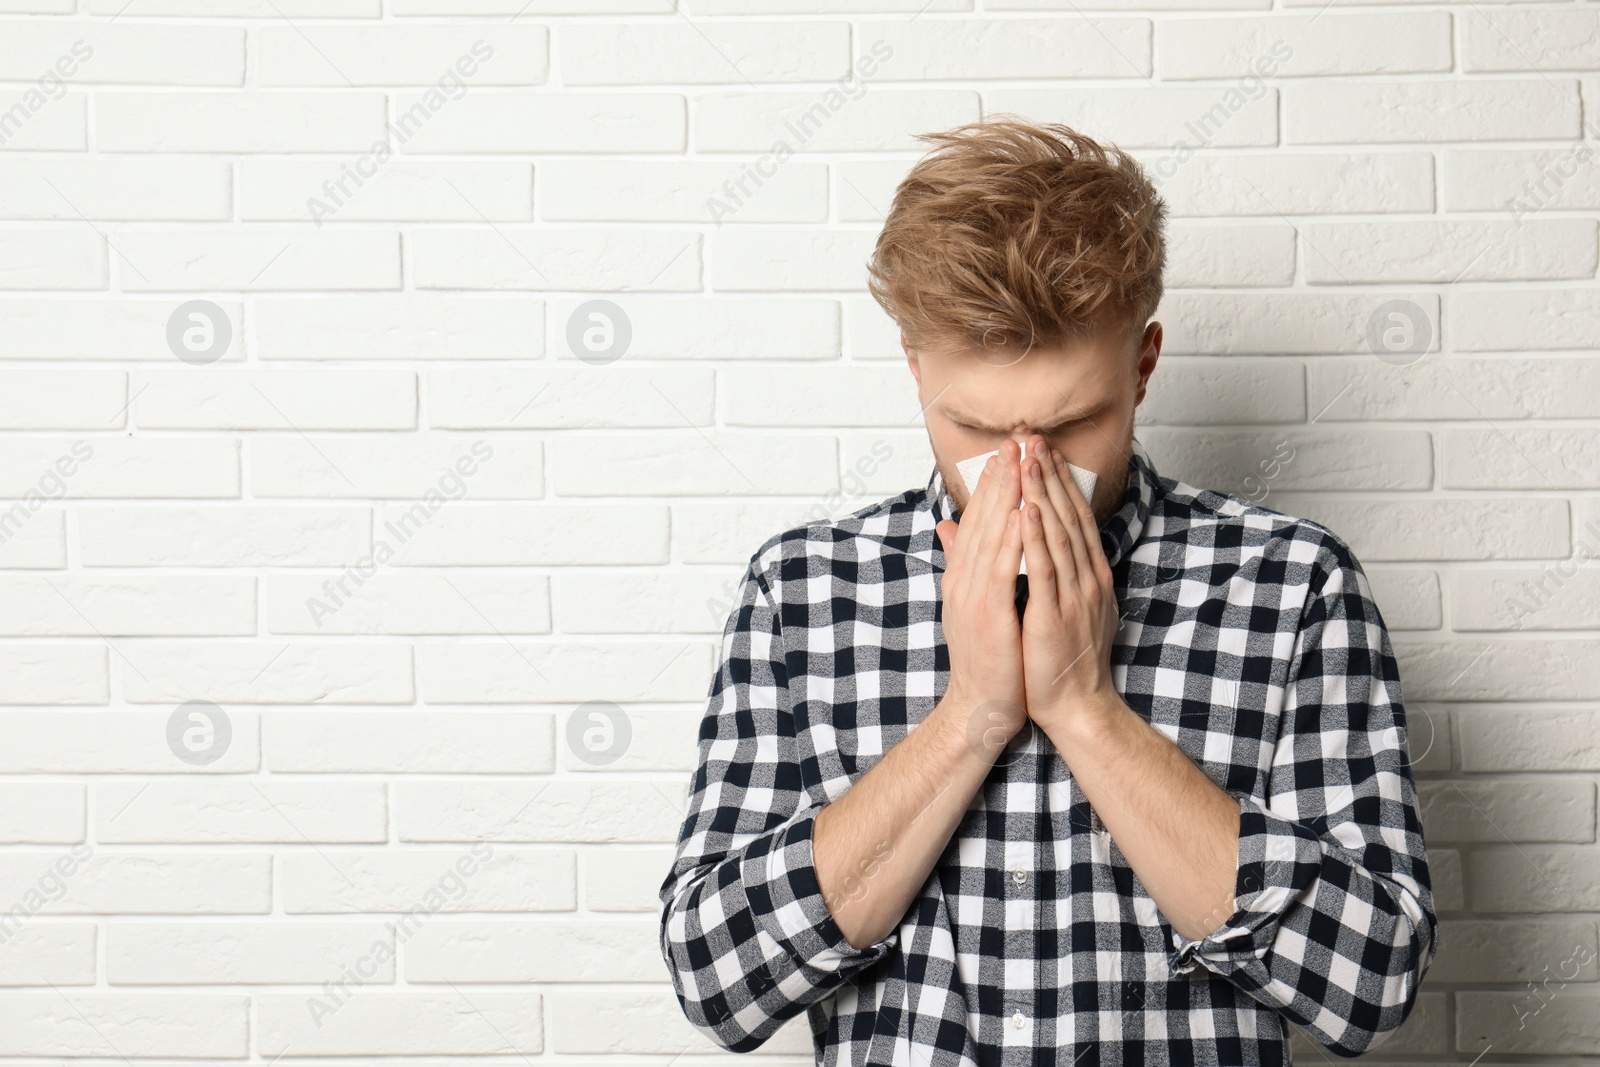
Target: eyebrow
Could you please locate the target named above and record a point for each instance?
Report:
(978, 424)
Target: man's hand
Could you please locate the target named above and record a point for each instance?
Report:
(1071, 618)
(979, 586)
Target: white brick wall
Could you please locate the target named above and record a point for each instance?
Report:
(382, 501)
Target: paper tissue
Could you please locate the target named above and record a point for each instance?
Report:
(970, 469)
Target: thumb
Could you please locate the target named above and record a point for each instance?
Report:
(945, 530)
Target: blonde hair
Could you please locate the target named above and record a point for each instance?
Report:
(1011, 233)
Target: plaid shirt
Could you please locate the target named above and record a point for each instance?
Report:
(1249, 638)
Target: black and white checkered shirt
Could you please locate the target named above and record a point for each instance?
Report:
(1249, 637)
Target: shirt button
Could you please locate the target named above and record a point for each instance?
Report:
(1018, 1021)
(1019, 876)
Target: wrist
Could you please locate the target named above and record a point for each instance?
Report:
(1090, 723)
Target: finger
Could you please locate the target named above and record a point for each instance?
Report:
(974, 514)
(1041, 567)
(1074, 516)
(1002, 591)
(1057, 532)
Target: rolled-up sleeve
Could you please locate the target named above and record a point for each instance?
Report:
(1334, 924)
(745, 932)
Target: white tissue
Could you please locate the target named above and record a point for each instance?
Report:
(970, 469)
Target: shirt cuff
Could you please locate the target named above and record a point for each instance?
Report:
(1279, 861)
(780, 882)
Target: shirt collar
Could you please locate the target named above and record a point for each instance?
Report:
(1118, 533)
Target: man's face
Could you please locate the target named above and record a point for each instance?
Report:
(1080, 396)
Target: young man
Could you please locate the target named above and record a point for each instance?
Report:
(1148, 813)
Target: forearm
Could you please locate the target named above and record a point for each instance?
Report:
(1177, 828)
(874, 846)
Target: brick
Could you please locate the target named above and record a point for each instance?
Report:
(53, 674)
(504, 258)
(270, 673)
(187, 190)
(1256, 465)
(51, 259)
(549, 535)
(1471, 389)
(148, 883)
(1151, 115)
(1529, 739)
(30, 122)
(267, 953)
(705, 464)
(57, 954)
(568, 397)
(238, 536)
(1430, 111)
(114, 742)
(624, 603)
(244, 122)
(1555, 1019)
(508, 673)
(553, 811)
(259, 260)
(1545, 669)
(63, 399)
(171, 605)
(545, 951)
(389, 327)
(541, 124)
(230, 811)
(624, 879)
(128, 53)
(1509, 319)
(1543, 40)
(1477, 810)
(1513, 950)
(1295, 46)
(388, 603)
(453, 58)
(1521, 181)
(712, 327)
(428, 880)
(819, 396)
(106, 1024)
(1534, 878)
(411, 742)
(41, 813)
(449, 466)
(42, 328)
(797, 260)
(1347, 253)
(1202, 323)
(377, 1023)
(1290, 183)
(683, 191)
(1438, 529)
(1408, 599)
(882, 120)
(943, 49)
(655, 53)
(1230, 256)
(363, 189)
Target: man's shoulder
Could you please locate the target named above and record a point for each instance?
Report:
(1218, 518)
(884, 527)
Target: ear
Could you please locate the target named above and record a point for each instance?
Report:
(1149, 353)
(911, 360)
